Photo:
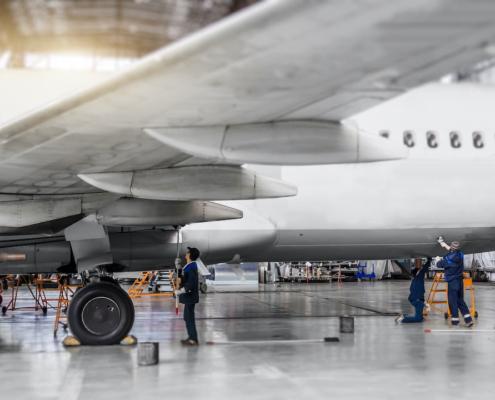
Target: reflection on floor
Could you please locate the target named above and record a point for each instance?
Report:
(380, 360)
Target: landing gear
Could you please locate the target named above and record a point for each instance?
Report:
(100, 314)
(203, 287)
(5, 284)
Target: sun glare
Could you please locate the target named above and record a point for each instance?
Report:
(69, 62)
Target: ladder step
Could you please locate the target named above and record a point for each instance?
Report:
(438, 302)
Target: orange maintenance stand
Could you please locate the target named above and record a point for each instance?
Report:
(437, 280)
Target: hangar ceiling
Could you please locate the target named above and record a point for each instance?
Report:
(30, 30)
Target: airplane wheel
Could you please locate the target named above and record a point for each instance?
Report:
(446, 315)
(5, 284)
(475, 313)
(1, 299)
(203, 287)
(4, 310)
(45, 310)
(100, 314)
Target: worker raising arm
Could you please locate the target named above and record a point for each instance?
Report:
(453, 264)
(417, 294)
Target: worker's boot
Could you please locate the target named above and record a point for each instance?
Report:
(184, 341)
(469, 320)
(190, 342)
(399, 319)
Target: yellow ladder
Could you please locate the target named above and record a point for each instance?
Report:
(41, 291)
(66, 291)
(142, 281)
(437, 280)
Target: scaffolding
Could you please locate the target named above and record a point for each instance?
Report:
(12, 305)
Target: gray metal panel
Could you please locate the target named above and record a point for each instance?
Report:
(223, 274)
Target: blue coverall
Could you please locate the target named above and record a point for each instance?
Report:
(417, 295)
(453, 263)
(190, 298)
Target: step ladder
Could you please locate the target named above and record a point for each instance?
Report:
(140, 284)
(66, 291)
(44, 286)
(164, 283)
(437, 287)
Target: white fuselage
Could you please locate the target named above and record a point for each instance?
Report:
(391, 209)
(382, 210)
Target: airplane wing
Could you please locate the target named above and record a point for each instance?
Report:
(285, 68)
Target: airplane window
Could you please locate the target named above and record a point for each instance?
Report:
(432, 139)
(409, 138)
(478, 141)
(455, 139)
(384, 134)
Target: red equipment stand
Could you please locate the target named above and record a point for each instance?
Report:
(12, 306)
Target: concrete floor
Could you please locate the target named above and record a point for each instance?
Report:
(380, 360)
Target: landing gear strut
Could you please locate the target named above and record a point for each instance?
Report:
(100, 314)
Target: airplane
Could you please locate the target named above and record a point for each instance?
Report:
(241, 140)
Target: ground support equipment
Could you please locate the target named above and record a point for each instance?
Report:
(143, 280)
(140, 284)
(44, 286)
(65, 294)
(12, 306)
(437, 287)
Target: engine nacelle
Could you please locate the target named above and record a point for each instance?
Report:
(140, 212)
(301, 142)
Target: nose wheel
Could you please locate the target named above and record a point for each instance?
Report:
(100, 314)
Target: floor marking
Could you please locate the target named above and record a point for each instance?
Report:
(302, 341)
(458, 331)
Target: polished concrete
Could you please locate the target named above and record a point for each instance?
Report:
(380, 360)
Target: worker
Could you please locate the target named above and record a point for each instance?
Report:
(453, 264)
(189, 295)
(417, 294)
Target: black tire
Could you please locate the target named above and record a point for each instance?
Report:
(446, 315)
(475, 313)
(1, 299)
(45, 310)
(5, 284)
(203, 287)
(100, 314)
(4, 310)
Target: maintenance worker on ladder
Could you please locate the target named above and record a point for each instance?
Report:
(453, 264)
(417, 294)
(189, 295)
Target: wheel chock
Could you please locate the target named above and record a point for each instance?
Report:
(129, 341)
(70, 341)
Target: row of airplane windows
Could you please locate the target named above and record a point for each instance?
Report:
(432, 141)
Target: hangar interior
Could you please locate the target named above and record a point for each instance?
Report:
(262, 325)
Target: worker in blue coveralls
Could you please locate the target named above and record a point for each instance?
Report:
(417, 294)
(189, 295)
(453, 264)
